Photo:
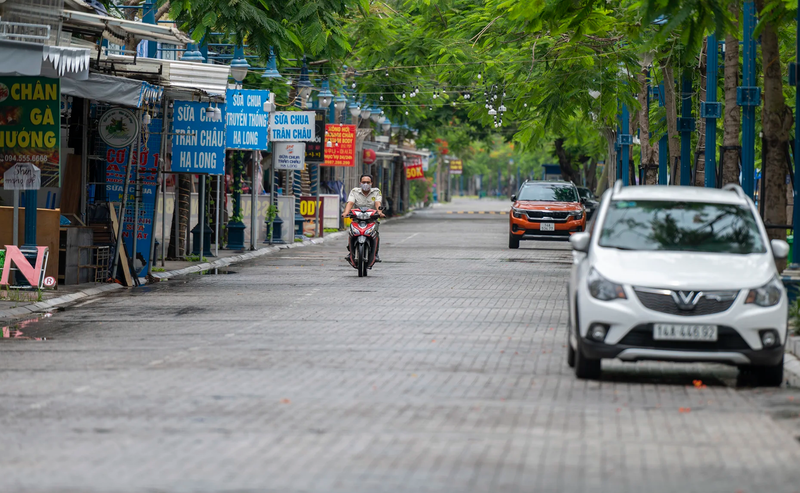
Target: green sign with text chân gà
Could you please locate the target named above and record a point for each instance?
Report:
(30, 112)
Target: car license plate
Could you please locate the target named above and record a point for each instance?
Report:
(547, 227)
(679, 332)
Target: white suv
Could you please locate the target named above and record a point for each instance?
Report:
(677, 274)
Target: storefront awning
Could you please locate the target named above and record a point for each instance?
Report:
(206, 78)
(424, 153)
(116, 30)
(30, 59)
(113, 90)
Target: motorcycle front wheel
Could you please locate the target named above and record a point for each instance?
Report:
(362, 260)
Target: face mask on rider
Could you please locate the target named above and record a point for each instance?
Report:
(366, 187)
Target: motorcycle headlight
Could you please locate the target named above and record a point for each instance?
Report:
(518, 213)
(767, 295)
(603, 289)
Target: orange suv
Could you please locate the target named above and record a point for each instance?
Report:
(545, 210)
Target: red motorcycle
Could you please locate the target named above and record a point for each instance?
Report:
(363, 239)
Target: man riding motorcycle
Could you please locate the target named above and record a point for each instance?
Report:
(365, 197)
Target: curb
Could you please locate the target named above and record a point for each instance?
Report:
(224, 262)
(67, 299)
(791, 364)
(72, 298)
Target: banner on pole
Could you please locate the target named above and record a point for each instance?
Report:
(198, 145)
(289, 155)
(315, 149)
(415, 172)
(425, 163)
(292, 126)
(30, 125)
(246, 120)
(456, 167)
(342, 151)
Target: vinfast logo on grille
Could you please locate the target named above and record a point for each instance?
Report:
(686, 300)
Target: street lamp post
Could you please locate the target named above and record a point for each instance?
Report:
(324, 98)
(239, 68)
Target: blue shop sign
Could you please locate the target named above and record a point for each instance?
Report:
(198, 145)
(246, 119)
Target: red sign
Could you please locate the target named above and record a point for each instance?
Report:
(342, 151)
(308, 208)
(415, 172)
(369, 156)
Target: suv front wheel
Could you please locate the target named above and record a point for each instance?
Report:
(769, 376)
(513, 241)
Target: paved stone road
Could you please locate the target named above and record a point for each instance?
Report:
(444, 371)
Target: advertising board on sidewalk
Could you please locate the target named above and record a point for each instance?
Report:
(342, 151)
(246, 120)
(315, 148)
(146, 173)
(30, 125)
(414, 170)
(289, 155)
(292, 126)
(198, 145)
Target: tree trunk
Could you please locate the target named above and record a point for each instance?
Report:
(700, 150)
(610, 169)
(602, 184)
(776, 121)
(591, 174)
(565, 163)
(183, 189)
(634, 126)
(733, 115)
(649, 152)
(673, 139)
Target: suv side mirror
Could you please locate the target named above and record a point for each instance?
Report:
(580, 242)
(513, 198)
(780, 249)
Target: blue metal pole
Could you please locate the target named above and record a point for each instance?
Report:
(149, 17)
(748, 96)
(499, 181)
(625, 141)
(31, 199)
(796, 209)
(663, 147)
(686, 127)
(711, 111)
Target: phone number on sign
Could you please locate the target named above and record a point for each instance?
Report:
(24, 158)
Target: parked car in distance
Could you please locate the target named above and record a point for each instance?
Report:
(589, 200)
(677, 274)
(548, 210)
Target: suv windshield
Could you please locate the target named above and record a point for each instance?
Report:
(585, 193)
(681, 226)
(546, 192)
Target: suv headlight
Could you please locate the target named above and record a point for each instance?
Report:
(767, 295)
(603, 289)
(518, 213)
(576, 214)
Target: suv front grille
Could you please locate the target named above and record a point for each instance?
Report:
(555, 216)
(686, 303)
